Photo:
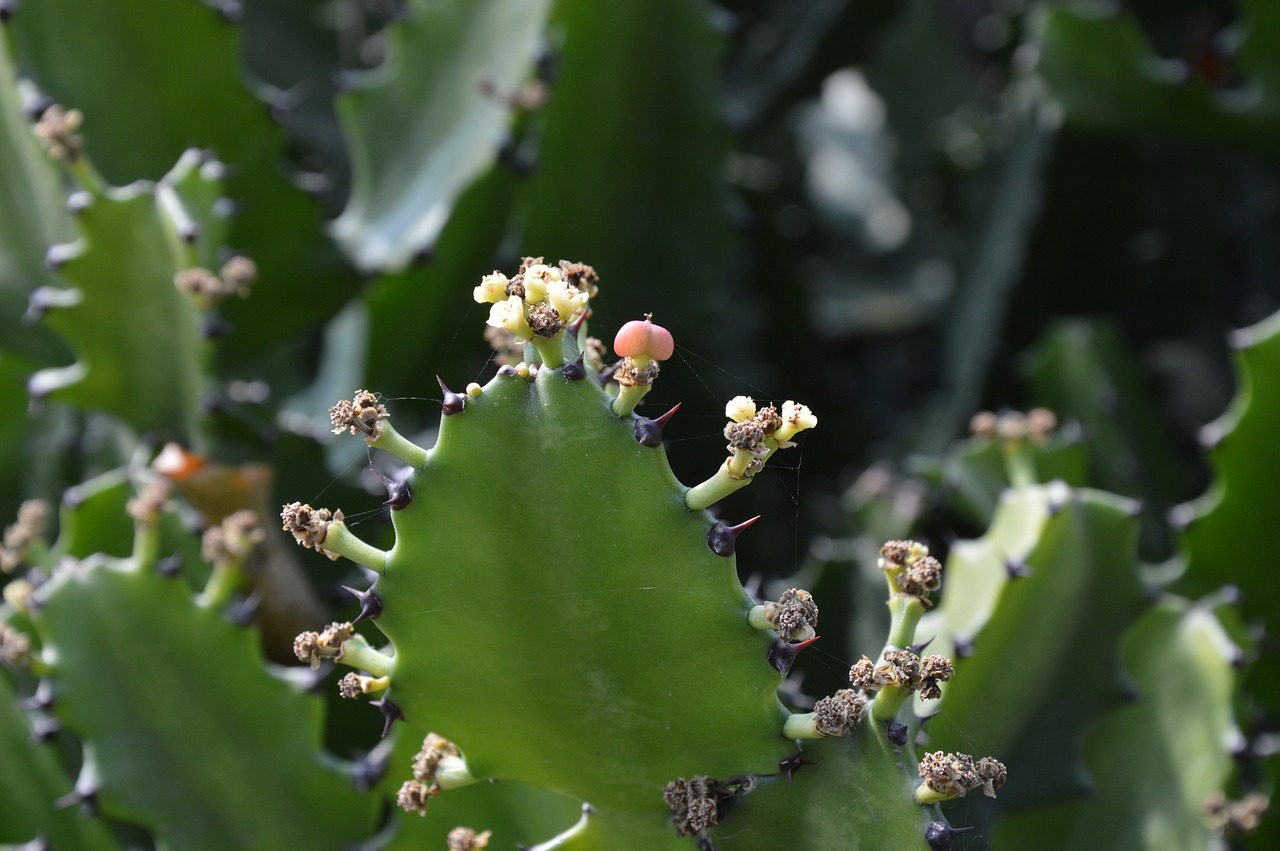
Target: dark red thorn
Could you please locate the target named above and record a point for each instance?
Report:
(244, 611)
(85, 794)
(649, 432)
(370, 604)
(453, 402)
(390, 712)
(939, 834)
(896, 732)
(574, 370)
(44, 729)
(1016, 569)
(576, 325)
(169, 567)
(398, 494)
(963, 645)
(782, 654)
(792, 764)
(723, 540)
(42, 700)
(919, 649)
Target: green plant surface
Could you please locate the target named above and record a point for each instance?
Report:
(1101, 68)
(122, 308)
(1044, 644)
(627, 165)
(187, 730)
(425, 125)
(1155, 762)
(566, 623)
(32, 217)
(32, 780)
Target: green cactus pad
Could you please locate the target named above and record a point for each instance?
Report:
(556, 611)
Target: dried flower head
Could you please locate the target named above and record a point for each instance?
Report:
(307, 525)
(838, 714)
(466, 839)
(56, 131)
(794, 617)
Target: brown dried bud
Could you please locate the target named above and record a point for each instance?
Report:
(233, 539)
(934, 670)
(315, 647)
(307, 525)
(863, 675)
(20, 535)
(628, 375)
(544, 320)
(15, 646)
(949, 774)
(696, 802)
(349, 686)
(435, 748)
(903, 667)
(413, 797)
(921, 578)
(1236, 819)
(466, 839)
(362, 415)
(794, 617)
(56, 131)
(581, 276)
(145, 508)
(897, 554)
(991, 775)
(838, 714)
(239, 273)
(1040, 422)
(748, 435)
(983, 424)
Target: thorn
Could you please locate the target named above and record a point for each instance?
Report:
(649, 433)
(1016, 569)
(213, 328)
(1181, 516)
(370, 604)
(169, 567)
(78, 202)
(506, 370)
(963, 645)
(242, 613)
(896, 732)
(42, 700)
(723, 539)
(6, 11)
(939, 834)
(369, 770)
(575, 370)
(919, 649)
(85, 794)
(576, 325)
(1240, 338)
(44, 729)
(398, 493)
(423, 255)
(782, 654)
(390, 713)
(231, 11)
(453, 402)
(792, 764)
(1054, 507)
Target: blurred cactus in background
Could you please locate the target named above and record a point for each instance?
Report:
(1017, 258)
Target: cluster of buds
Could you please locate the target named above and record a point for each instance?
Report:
(56, 131)
(207, 289)
(696, 802)
(309, 526)
(230, 542)
(466, 839)
(794, 616)
(437, 766)
(20, 536)
(905, 671)
(754, 434)
(316, 647)
(1236, 819)
(1014, 426)
(951, 775)
(910, 569)
(15, 646)
(538, 303)
(146, 507)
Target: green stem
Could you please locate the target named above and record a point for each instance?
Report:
(629, 395)
(888, 701)
(926, 794)
(146, 545)
(714, 489)
(1019, 463)
(358, 653)
(904, 616)
(550, 350)
(87, 176)
(393, 443)
(338, 539)
(756, 618)
(222, 583)
(802, 726)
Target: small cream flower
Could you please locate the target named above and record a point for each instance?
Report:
(566, 300)
(740, 409)
(537, 278)
(795, 419)
(492, 289)
(509, 315)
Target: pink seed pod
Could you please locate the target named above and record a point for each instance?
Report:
(644, 339)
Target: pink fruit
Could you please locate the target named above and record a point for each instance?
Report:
(644, 339)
